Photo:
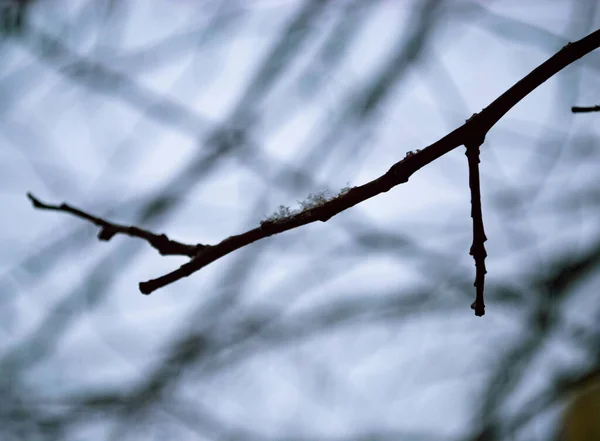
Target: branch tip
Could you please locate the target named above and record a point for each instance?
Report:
(35, 201)
(146, 288)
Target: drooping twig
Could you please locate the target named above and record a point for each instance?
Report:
(399, 173)
(108, 230)
(477, 247)
(576, 109)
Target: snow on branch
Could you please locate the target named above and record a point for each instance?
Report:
(322, 207)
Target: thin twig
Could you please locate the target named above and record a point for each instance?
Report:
(576, 109)
(108, 230)
(477, 248)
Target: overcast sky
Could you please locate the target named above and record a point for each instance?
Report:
(198, 119)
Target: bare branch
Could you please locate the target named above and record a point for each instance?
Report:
(576, 109)
(161, 242)
(475, 128)
(477, 248)
(400, 172)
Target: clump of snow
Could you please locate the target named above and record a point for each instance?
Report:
(282, 212)
(410, 153)
(312, 200)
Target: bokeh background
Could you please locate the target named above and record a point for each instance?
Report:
(198, 118)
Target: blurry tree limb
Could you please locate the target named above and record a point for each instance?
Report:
(475, 128)
(111, 82)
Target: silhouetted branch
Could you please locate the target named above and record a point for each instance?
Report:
(475, 128)
(161, 242)
(477, 248)
(576, 109)
(399, 172)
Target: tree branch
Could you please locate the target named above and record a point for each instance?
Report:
(108, 230)
(576, 109)
(476, 127)
(477, 247)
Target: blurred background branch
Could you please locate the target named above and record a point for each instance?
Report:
(200, 118)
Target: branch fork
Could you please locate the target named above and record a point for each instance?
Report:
(471, 135)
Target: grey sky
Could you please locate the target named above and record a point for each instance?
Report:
(185, 119)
